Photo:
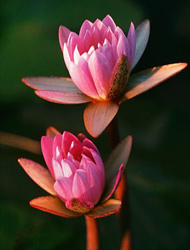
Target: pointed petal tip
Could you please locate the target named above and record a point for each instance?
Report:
(97, 117)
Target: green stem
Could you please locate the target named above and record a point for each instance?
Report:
(92, 234)
(121, 192)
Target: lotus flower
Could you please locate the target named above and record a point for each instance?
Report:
(76, 177)
(100, 60)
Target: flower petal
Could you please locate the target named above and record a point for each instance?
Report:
(97, 116)
(82, 79)
(149, 78)
(101, 72)
(118, 156)
(63, 187)
(47, 151)
(52, 132)
(109, 22)
(80, 185)
(67, 139)
(63, 35)
(142, 36)
(111, 206)
(132, 41)
(63, 98)
(59, 84)
(53, 205)
(110, 189)
(38, 174)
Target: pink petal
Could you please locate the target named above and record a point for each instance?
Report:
(53, 205)
(67, 139)
(97, 116)
(76, 150)
(73, 40)
(84, 28)
(86, 41)
(81, 137)
(63, 35)
(109, 207)
(101, 71)
(66, 56)
(89, 144)
(80, 185)
(68, 168)
(58, 172)
(47, 151)
(38, 174)
(99, 163)
(109, 22)
(63, 187)
(82, 80)
(132, 41)
(63, 98)
(123, 48)
(57, 149)
(96, 185)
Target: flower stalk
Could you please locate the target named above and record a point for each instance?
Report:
(92, 234)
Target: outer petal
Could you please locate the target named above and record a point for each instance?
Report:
(63, 35)
(63, 98)
(110, 189)
(38, 174)
(53, 205)
(149, 78)
(111, 206)
(59, 84)
(47, 151)
(97, 116)
(142, 36)
(115, 165)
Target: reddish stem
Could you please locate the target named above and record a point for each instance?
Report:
(121, 192)
(92, 235)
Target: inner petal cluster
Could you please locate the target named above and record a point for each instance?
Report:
(91, 56)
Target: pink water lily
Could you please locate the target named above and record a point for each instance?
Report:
(76, 177)
(100, 60)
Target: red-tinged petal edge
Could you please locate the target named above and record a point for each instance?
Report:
(53, 205)
(145, 80)
(59, 84)
(63, 97)
(109, 207)
(97, 116)
(40, 175)
(52, 132)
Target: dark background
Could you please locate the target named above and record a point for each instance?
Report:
(159, 168)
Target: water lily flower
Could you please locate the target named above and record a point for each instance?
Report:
(76, 178)
(100, 60)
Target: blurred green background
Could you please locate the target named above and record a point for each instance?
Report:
(159, 168)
